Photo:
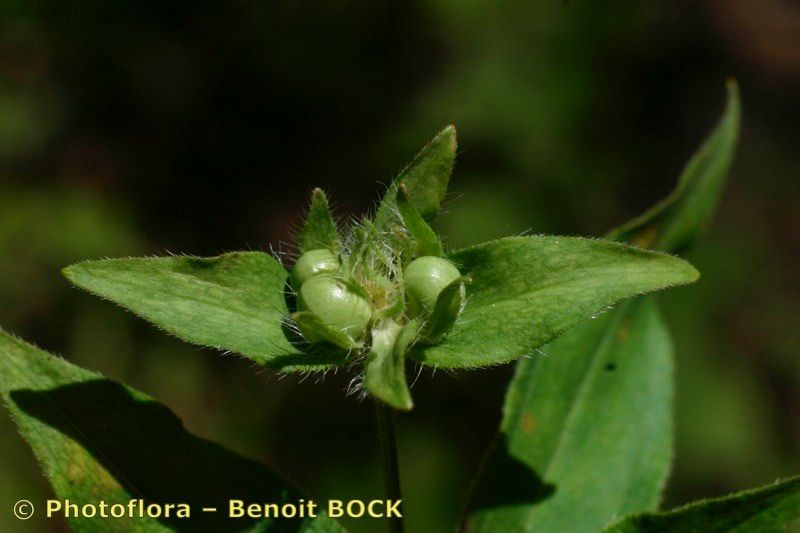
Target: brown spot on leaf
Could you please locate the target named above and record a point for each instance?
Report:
(528, 423)
(624, 332)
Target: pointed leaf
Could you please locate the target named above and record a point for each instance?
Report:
(771, 508)
(314, 329)
(426, 242)
(526, 291)
(319, 229)
(445, 311)
(426, 179)
(96, 439)
(674, 223)
(232, 302)
(385, 372)
(590, 414)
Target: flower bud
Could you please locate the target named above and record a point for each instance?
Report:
(424, 279)
(336, 304)
(313, 263)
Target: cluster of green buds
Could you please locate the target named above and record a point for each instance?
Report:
(384, 289)
(382, 281)
(325, 298)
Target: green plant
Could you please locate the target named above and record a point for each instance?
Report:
(585, 442)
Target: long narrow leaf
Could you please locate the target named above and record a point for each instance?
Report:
(624, 467)
(674, 223)
(618, 486)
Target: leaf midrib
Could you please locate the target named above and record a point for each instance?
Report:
(555, 282)
(601, 349)
(243, 310)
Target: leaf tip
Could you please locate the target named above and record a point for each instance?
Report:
(69, 272)
(401, 404)
(733, 104)
(450, 132)
(695, 274)
(733, 87)
(677, 271)
(688, 273)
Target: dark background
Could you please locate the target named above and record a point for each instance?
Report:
(133, 128)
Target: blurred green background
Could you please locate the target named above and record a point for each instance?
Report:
(133, 128)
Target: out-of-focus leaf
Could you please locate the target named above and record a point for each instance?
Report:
(231, 302)
(319, 229)
(385, 371)
(425, 178)
(674, 223)
(44, 229)
(589, 415)
(28, 119)
(96, 439)
(526, 291)
(426, 242)
(771, 508)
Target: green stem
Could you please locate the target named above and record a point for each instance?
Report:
(391, 472)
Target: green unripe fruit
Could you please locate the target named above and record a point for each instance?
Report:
(314, 263)
(424, 279)
(336, 304)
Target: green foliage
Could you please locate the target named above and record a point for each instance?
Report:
(445, 312)
(97, 439)
(319, 229)
(595, 415)
(675, 223)
(593, 411)
(425, 179)
(426, 242)
(771, 508)
(592, 417)
(385, 374)
(525, 291)
(231, 302)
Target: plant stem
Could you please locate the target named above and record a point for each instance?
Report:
(391, 472)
